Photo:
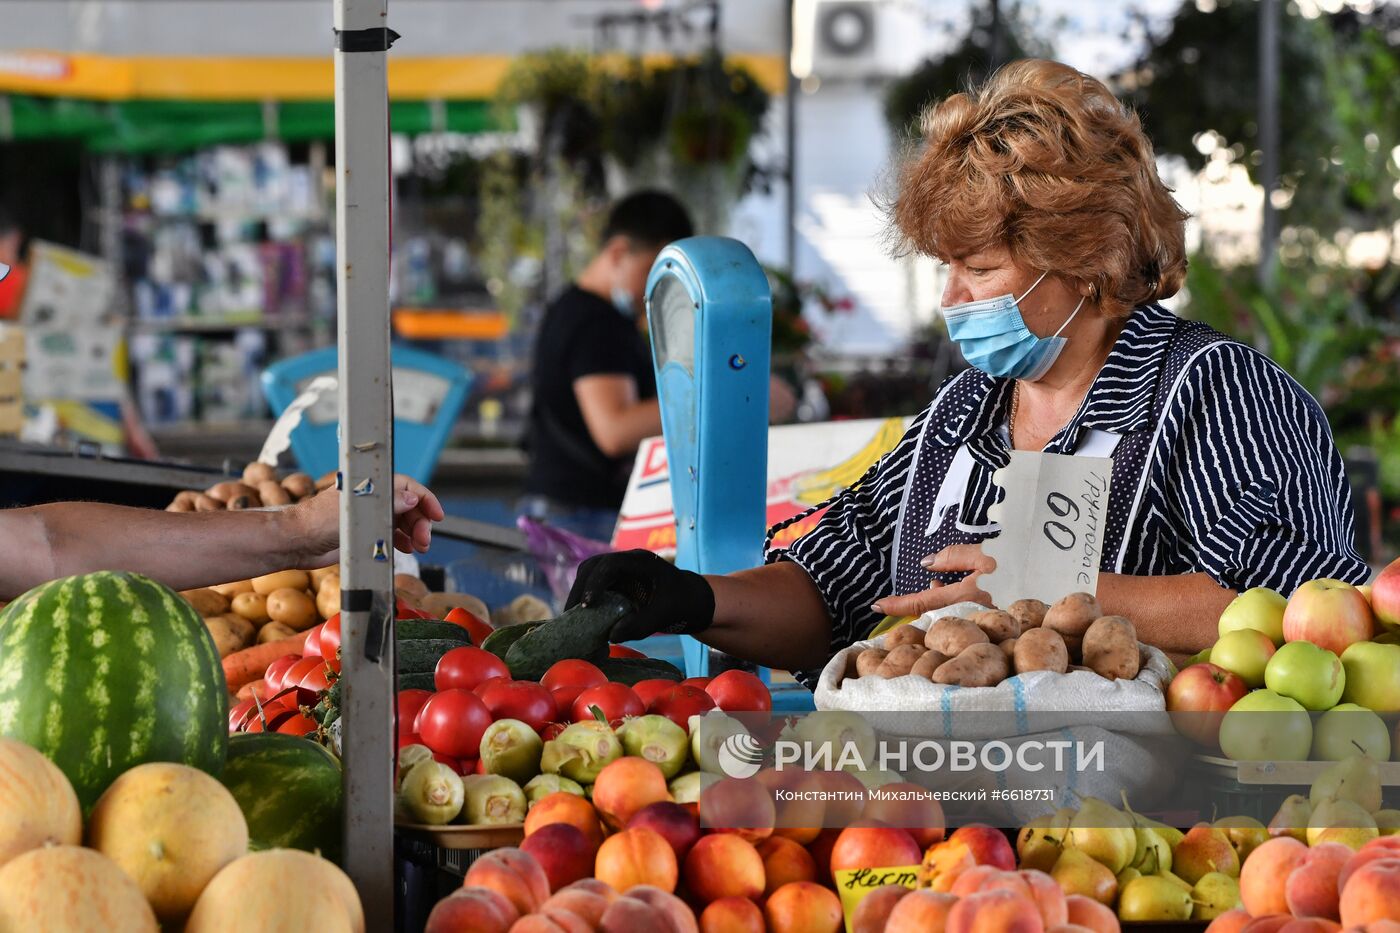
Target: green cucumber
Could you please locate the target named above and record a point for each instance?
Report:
(419, 656)
(632, 670)
(499, 641)
(418, 680)
(416, 629)
(581, 632)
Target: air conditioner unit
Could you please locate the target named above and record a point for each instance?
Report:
(837, 39)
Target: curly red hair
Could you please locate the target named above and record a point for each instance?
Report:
(1047, 162)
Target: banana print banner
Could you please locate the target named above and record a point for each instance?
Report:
(807, 465)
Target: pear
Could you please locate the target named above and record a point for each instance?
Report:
(1153, 854)
(1215, 894)
(1341, 821)
(1292, 818)
(1103, 833)
(1170, 833)
(1388, 822)
(1155, 897)
(1127, 875)
(1244, 832)
(1175, 879)
(1077, 873)
(1355, 778)
(1036, 847)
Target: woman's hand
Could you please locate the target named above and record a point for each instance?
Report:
(317, 522)
(956, 558)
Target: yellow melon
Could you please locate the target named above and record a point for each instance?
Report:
(278, 891)
(38, 806)
(63, 889)
(171, 828)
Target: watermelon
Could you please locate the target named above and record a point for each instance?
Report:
(289, 790)
(106, 671)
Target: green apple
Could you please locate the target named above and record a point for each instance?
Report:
(1200, 657)
(1263, 726)
(1304, 672)
(1260, 609)
(1373, 676)
(1245, 652)
(1348, 729)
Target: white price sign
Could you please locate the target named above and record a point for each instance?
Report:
(1053, 518)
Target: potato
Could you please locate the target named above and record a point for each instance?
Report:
(239, 503)
(257, 473)
(438, 605)
(233, 589)
(328, 602)
(1071, 617)
(951, 635)
(408, 583)
(928, 662)
(330, 581)
(1029, 612)
(230, 490)
(1041, 649)
(282, 580)
(292, 608)
(1008, 647)
(978, 665)
(272, 493)
(203, 503)
(274, 631)
(207, 602)
(253, 607)
(998, 625)
(227, 638)
(320, 574)
(1111, 648)
(905, 634)
(326, 481)
(184, 502)
(299, 485)
(900, 661)
(868, 661)
(523, 608)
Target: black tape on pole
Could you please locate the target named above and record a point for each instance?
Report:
(378, 39)
(356, 600)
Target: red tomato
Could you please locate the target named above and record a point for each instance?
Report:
(405, 611)
(311, 648)
(409, 738)
(615, 700)
(480, 688)
(680, 703)
(273, 717)
(701, 682)
(238, 716)
(294, 674)
(567, 679)
(409, 703)
(452, 723)
(740, 691)
(649, 690)
(465, 667)
(451, 762)
(298, 724)
(318, 679)
(550, 731)
(477, 767)
(278, 670)
(520, 699)
(330, 641)
(622, 651)
(475, 627)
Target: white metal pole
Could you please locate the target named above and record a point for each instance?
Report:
(366, 450)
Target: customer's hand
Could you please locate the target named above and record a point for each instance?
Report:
(315, 523)
(667, 599)
(957, 558)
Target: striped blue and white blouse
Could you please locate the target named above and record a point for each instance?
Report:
(1224, 465)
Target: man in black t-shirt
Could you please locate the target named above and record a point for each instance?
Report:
(594, 389)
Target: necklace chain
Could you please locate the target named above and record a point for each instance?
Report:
(1015, 405)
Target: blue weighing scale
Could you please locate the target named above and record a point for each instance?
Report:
(429, 393)
(710, 313)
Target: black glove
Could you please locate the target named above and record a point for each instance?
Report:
(669, 600)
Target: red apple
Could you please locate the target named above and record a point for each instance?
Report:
(1330, 614)
(1385, 596)
(988, 845)
(1199, 697)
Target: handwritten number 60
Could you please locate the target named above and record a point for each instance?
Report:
(1058, 533)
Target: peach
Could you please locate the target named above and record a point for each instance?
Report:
(588, 905)
(846, 796)
(563, 852)
(732, 915)
(987, 845)
(944, 863)
(554, 921)
(1384, 847)
(1380, 926)
(921, 911)
(675, 823)
(742, 806)
(873, 912)
(1047, 897)
(564, 807)
(629, 915)
(1090, 914)
(512, 874)
(1260, 890)
(1270, 923)
(784, 862)
(625, 786)
(636, 856)
(1068, 928)
(976, 878)
(1000, 910)
(1372, 893)
(908, 807)
(820, 848)
(867, 845)
(1310, 925)
(1232, 921)
(1202, 850)
(804, 907)
(479, 909)
(723, 865)
(1311, 889)
(672, 909)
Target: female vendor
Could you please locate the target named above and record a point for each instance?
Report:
(1040, 194)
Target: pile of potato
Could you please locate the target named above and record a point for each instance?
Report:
(259, 487)
(267, 608)
(993, 645)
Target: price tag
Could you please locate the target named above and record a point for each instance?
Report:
(854, 884)
(1053, 519)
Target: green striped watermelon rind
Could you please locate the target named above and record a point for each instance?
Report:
(105, 671)
(289, 790)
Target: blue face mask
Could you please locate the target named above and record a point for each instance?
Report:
(622, 300)
(993, 337)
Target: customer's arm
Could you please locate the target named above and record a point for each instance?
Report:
(186, 550)
(772, 615)
(617, 419)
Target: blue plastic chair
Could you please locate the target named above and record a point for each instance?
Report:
(429, 393)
